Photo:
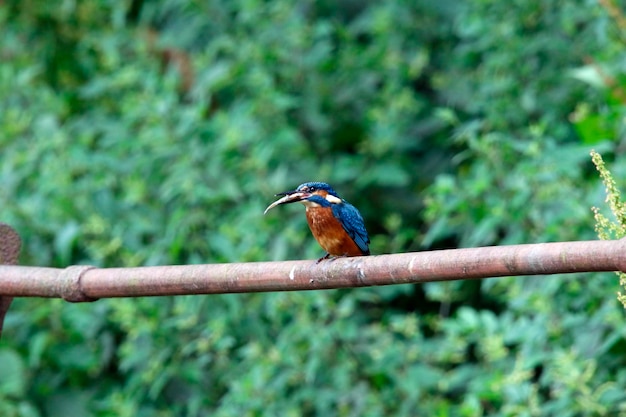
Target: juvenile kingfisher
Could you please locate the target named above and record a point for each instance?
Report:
(336, 224)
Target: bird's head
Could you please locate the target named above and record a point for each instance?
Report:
(311, 194)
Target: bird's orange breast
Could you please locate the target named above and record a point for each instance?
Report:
(329, 232)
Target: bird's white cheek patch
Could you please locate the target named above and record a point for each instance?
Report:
(332, 199)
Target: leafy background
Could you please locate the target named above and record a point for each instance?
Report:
(144, 133)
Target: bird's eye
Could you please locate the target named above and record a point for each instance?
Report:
(311, 189)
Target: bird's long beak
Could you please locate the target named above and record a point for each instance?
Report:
(288, 197)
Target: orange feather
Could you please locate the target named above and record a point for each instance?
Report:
(329, 232)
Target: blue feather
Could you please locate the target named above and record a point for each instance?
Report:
(353, 224)
(321, 201)
(314, 186)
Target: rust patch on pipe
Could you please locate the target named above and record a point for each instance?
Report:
(10, 244)
(72, 289)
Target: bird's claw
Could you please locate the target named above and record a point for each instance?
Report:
(322, 258)
(329, 257)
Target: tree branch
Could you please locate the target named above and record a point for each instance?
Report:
(85, 283)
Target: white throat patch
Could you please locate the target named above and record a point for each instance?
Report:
(309, 204)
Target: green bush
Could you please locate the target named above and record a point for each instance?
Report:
(145, 133)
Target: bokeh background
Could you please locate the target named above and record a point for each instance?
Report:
(156, 132)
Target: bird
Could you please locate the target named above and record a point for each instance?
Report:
(336, 224)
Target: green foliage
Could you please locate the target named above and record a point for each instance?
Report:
(143, 133)
(604, 227)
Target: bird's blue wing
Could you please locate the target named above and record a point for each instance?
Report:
(353, 224)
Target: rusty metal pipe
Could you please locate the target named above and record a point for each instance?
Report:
(10, 244)
(86, 283)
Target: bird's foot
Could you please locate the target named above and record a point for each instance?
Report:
(322, 258)
(330, 257)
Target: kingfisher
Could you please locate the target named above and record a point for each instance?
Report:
(336, 224)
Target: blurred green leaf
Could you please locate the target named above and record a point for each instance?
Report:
(13, 379)
(144, 133)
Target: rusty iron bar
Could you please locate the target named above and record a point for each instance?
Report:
(87, 283)
(10, 244)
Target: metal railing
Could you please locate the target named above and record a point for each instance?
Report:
(87, 283)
